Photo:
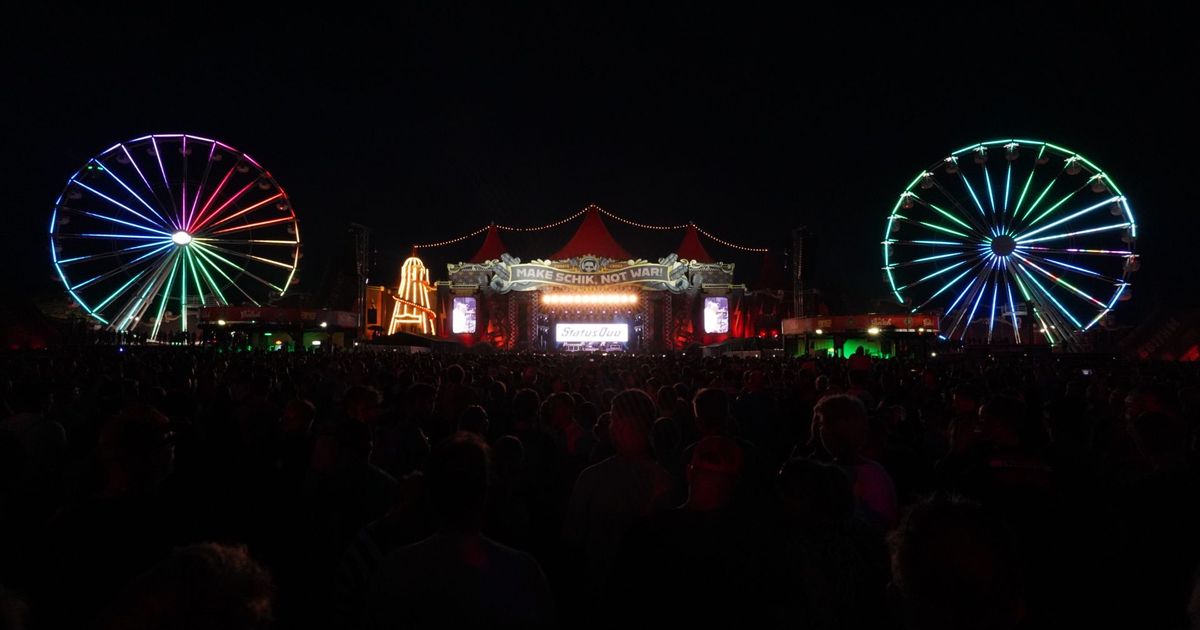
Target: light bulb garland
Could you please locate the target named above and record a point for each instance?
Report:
(568, 219)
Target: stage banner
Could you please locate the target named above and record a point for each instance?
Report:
(510, 274)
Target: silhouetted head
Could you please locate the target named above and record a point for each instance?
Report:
(711, 406)
(815, 494)
(713, 474)
(454, 375)
(457, 479)
(558, 410)
(632, 418)
(525, 406)
(199, 587)
(297, 417)
(953, 566)
(361, 403)
(1000, 421)
(137, 449)
(842, 424)
(474, 419)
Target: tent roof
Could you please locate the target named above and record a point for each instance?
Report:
(492, 247)
(592, 237)
(691, 248)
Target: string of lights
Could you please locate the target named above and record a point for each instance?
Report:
(453, 240)
(760, 250)
(615, 217)
(644, 226)
(544, 227)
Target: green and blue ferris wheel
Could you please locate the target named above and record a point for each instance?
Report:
(1005, 230)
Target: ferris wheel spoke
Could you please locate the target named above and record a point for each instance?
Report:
(932, 226)
(1048, 211)
(166, 183)
(105, 217)
(927, 243)
(945, 287)
(1122, 253)
(986, 275)
(199, 224)
(114, 202)
(1046, 292)
(195, 277)
(209, 251)
(166, 295)
(1060, 281)
(212, 197)
(1075, 268)
(200, 252)
(114, 253)
(104, 236)
(1012, 309)
(939, 272)
(246, 210)
(250, 241)
(968, 292)
(211, 283)
(1029, 180)
(251, 226)
(1105, 228)
(120, 290)
(163, 221)
(948, 215)
(1007, 185)
(988, 179)
(992, 316)
(136, 307)
(1069, 217)
(276, 263)
(203, 180)
(926, 259)
(975, 219)
(153, 192)
(119, 269)
(967, 183)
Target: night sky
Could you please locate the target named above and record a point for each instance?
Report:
(426, 123)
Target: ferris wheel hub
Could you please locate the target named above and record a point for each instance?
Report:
(181, 238)
(1003, 245)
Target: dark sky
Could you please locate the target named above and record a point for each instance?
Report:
(425, 123)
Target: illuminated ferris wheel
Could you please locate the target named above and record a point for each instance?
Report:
(1008, 229)
(157, 225)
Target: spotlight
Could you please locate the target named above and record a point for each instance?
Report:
(874, 330)
(324, 324)
(819, 331)
(220, 322)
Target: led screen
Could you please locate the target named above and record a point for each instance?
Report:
(462, 319)
(564, 333)
(716, 314)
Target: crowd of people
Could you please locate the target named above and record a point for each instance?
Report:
(187, 488)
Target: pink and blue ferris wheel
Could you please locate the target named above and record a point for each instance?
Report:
(1002, 231)
(157, 226)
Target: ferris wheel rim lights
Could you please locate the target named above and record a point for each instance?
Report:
(1004, 241)
(163, 188)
